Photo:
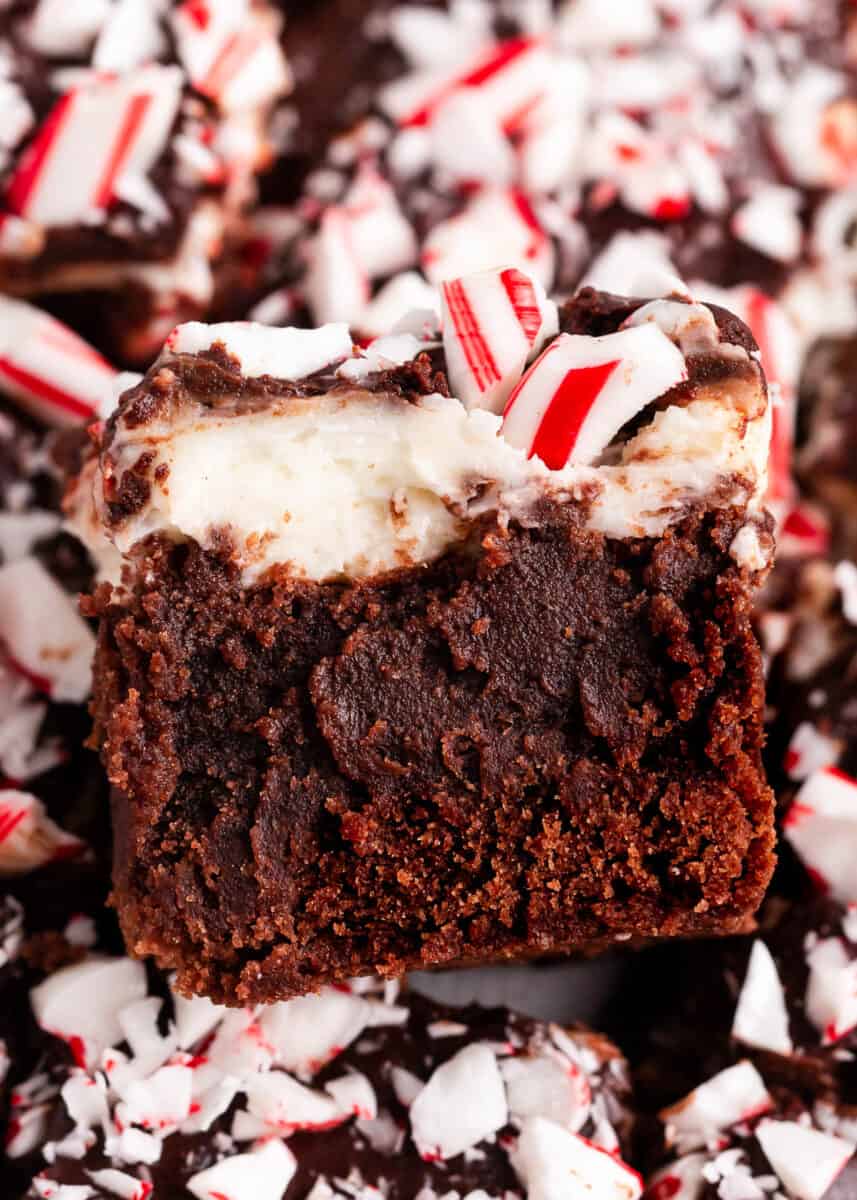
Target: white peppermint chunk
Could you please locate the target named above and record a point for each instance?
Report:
(821, 825)
(195, 1018)
(761, 1017)
(806, 1160)
(543, 1087)
(355, 1096)
(736, 1094)
(263, 1175)
(463, 1103)
(284, 1104)
(262, 350)
(43, 632)
(28, 837)
(557, 1165)
(307, 1032)
(85, 1000)
(58, 29)
(831, 994)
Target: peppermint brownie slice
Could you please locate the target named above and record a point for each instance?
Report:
(418, 654)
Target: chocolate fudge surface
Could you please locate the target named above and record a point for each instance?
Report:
(540, 739)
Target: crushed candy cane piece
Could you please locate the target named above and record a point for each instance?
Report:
(493, 322)
(28, 837)
(463, 1102)
(761, 1017)
(821, 827)
(736, 1094)
(42, 632)
(48, 369)
(582, 390)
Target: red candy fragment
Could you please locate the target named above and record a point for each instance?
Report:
(578, 395)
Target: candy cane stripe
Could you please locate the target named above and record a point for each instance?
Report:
(476, 349)
(138, 107)
(569, 408)
(524, 302)
(44, 390)
(508, 53)
(30, 170)
(234, 55)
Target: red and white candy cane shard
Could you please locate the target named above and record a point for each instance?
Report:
(804, 532)
(336, 285)
(42, 633)
(734, 1095)
(28, 837)
(498, 226)
(95, 135)
(230, 56)
(552, 1162)
(493, 322)
(509, 78)
(810, 750)
(575, 398)
(382, 237)
(778, 342)
(82, 1003)
(49, 370)
(821, 826)
(831, 994)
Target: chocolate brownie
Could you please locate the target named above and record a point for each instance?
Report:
(131, 138)
(393, 691)
(357, 1092)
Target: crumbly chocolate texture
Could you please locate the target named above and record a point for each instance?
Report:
(550, 746)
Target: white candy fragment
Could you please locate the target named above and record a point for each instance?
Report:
(309, 1031)
(28, 837)
(230, 55)
(336, 284)
(262, 1175)
(493, 323)
(770, 222)
(543, 1086)
(806, 1160)
(809, 751)
(82, 1003)
(463, 1102)
(821, 826)
(554, 1164)
(831, 994)
(58, 29)
(260, 350)
(42, 632)
(578, 395)
(761, 1017)
(736, 1094)
(50, 371)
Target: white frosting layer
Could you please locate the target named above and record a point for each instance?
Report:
(353, 484)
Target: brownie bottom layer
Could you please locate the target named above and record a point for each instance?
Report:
(552, 743)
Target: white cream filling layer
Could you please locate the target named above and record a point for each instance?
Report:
(350, 485)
